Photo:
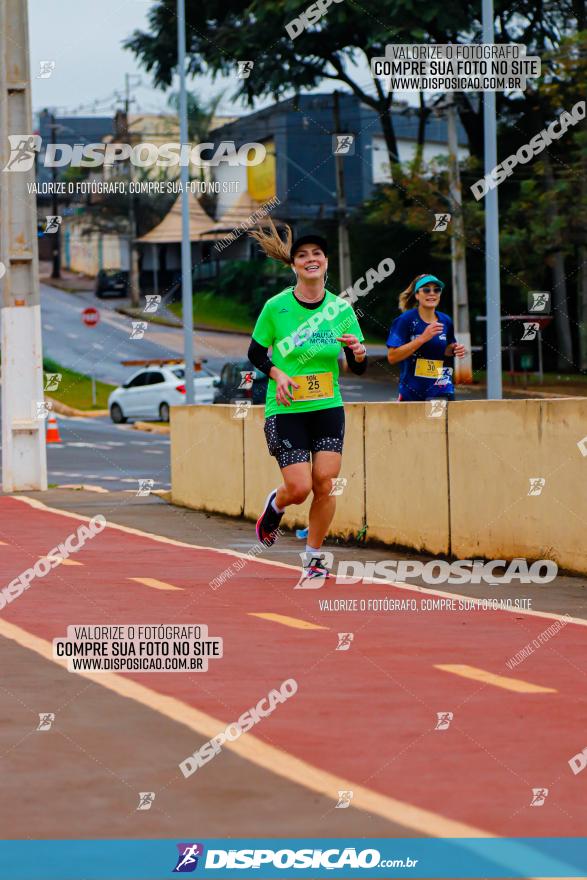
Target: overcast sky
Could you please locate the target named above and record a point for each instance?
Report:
(85, 40)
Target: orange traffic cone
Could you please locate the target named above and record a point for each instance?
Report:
(52, 431)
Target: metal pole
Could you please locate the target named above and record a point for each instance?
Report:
(492, 282)
(463, 366)
(186, 258)
(56, 271)
(155, 259)
(344, 250)
(93, 391)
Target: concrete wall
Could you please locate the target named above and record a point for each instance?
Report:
(406, 476)
(207, 458)
(495, 448)
(455, 484)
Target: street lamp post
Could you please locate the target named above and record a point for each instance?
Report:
(186, 257)
(492, 282)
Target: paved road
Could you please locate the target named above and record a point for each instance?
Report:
(364, 719)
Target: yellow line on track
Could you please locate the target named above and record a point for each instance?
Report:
(154, 583)
(294, 622)
(509, 684)
(258, 752)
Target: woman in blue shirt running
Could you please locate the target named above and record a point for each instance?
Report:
(421, 339)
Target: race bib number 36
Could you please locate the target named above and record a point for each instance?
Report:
(428, 369)
(314, 386)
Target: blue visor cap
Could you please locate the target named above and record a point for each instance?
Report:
(426, 280)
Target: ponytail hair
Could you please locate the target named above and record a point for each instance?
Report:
(407, 298)
(272, 243)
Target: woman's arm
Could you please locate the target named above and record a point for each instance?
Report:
(402, 352)
(260, 359)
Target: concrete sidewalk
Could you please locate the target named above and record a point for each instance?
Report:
(567, 594)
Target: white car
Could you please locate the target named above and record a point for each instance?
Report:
(151, 391)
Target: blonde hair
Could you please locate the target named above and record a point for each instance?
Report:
(407, 298)
(273, 244)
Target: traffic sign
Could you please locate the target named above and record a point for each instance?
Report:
(90, 316)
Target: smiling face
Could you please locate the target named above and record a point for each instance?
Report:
(429, 295)
(310, 262)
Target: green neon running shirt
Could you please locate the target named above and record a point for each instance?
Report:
(303, 342)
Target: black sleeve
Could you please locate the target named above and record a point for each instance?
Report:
(354, 366)
(258, 357)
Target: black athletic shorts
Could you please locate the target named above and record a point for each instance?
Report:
(291, 437)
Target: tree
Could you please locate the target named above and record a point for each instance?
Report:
(218, 35)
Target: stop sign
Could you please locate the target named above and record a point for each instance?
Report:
(90, 316)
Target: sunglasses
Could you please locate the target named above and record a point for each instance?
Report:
(430, 290)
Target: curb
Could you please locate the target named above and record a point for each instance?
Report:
(63, 409)
(150, 428)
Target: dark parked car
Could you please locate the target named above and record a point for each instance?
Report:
(240, 381)
(114, 281)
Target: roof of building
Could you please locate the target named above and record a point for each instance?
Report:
(168, 231)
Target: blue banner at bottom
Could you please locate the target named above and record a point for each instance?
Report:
(285, 857)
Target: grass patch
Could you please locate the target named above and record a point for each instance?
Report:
(75, 389)
(218, 313)
(222, 313)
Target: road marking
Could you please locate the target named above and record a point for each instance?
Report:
(153, 582)
(48, 326)
(295, 569)
(509, 684)
(4, 543)
(294, 622)
(72, 335)
(258, 752)
(59, 560)
(97, 345)
(153, 452)
(87, 486)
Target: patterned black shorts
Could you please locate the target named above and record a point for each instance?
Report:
(292, 437)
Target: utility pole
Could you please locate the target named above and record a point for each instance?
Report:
(463, 366)
(492, 280)
(133, 274)
(24, 459)
(344, 249)
(56, 270)
(186, 245)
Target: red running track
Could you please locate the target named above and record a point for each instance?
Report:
(367, 714)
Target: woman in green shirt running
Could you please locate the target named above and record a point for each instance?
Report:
(306, 326)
